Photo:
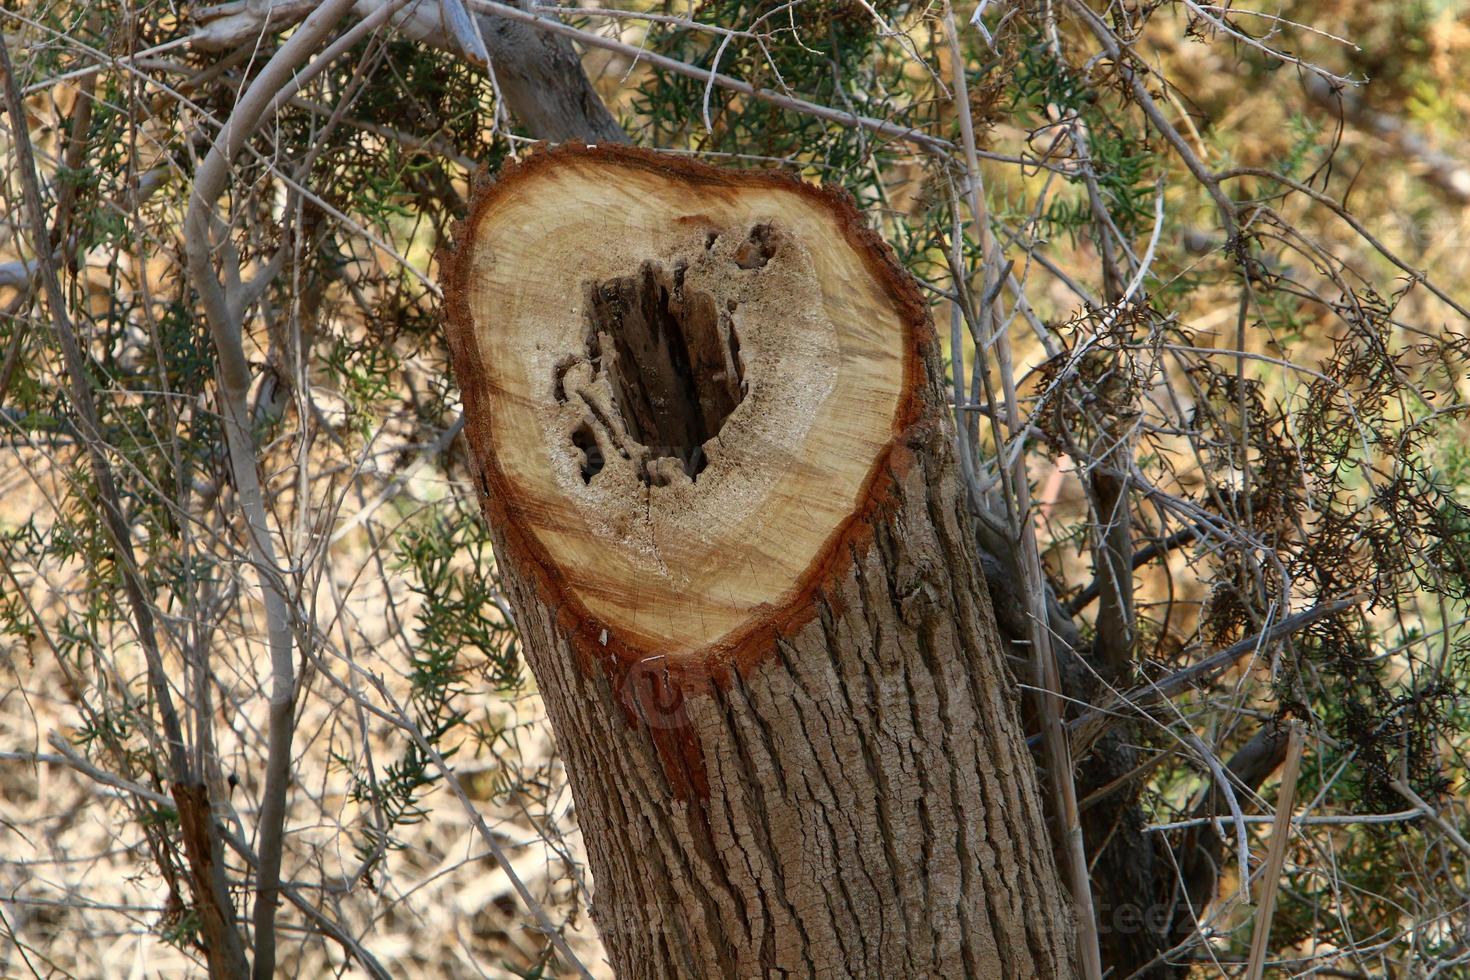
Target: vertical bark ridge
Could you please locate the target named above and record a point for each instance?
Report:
(860, 821)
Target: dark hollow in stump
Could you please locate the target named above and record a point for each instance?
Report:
(706, 415)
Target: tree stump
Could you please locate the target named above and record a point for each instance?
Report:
(706, 415)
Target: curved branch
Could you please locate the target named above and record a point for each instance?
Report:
(277, 82)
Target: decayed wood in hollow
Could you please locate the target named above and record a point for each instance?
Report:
(705, 411)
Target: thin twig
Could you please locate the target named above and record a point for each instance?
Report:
(1321, 820)
(1450, 830)
(1276, 858)
(1090, 725)
(1058, 748)
(277, 81)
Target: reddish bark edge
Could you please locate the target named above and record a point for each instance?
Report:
(649, 685)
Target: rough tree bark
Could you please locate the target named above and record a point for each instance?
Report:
(706, 416)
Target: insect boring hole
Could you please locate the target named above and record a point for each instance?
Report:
(672, 358)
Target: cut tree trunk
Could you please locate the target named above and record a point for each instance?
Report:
(705, 410)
